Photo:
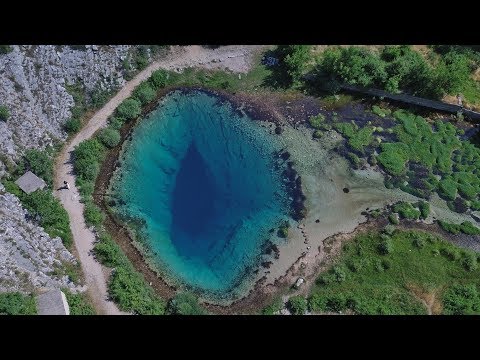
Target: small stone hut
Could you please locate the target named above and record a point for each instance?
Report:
(29, 182)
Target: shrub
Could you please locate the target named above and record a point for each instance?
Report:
(40, 163)
(470, 262)
(297, 305)
(273, 308)
(451, 228)
(385, 247)
(99, 97)
(380, 112)
(129, 109)
(461, 300)
(128, 288)
(283, 230)
(336, 303)
(87, 156)
(52, 216)
(406, 210)
(159, 79)
(339, 273)
(116, 122)
(448, 188)
(393, 218)
(317, 134)
(389, 229)
(468, 228)
(78, 303)
(72, 125)
(93, 215)
(317, 121)
(109, 137)
(184, 304)
(419, 243)
(4, 113)
(450, 253)
(317, 302)
(16, 303)
(144, 92)
(424, 209)
(108, 252)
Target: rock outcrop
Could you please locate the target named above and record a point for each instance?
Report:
(29, 257)
(33, 87)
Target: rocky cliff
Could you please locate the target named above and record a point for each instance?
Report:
(33, 86)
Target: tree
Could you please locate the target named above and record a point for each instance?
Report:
(159, 78)
(145, 93)
(185, 304)
(109, 137)
(296, 58)
(297, 305)
(129, 109)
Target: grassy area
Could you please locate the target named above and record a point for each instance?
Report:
(78, 303)
(381, 274)
(16, 303)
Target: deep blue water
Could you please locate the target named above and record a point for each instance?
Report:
(200, 179)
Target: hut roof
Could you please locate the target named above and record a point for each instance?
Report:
(52, 302)
(29, 182)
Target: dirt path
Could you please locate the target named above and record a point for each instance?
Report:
(235, 58)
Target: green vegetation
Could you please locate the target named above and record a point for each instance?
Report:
(295, 59)
(465, 227)
(406, 211)
(145, 93)
(379, 282)
(93, 215)
(283, 229)
(128, 288)
(184, 304)
(5, 49)
(4, 113)
(109, 137)
(393, 219)
(129, 109)
(40, 163)
(462, 300)
(159, 79)
(16, 303)
(99, 97)
(358, 139)
(424, 209)
(317, 121)
(399, 68)
(380, 112)
(273, 308)
(72, 125)
(78, 303)
(88, 155)
(297, 305)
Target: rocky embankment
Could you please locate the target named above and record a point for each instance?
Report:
(29, 258)
(33, 86)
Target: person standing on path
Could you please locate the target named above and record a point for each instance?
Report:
(67, 185)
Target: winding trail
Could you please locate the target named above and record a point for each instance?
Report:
(235, 58)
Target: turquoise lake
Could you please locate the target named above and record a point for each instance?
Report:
(200, 180)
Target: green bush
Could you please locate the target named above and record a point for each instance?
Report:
(16, 303)
(128, 288)
(108, 252)
(129, 109)
(99, 97)
(4, 113)
(40, 163)
(297, 305)
(283, 230)
(462, 300)
(451, 254)
(52, 216)
(93, 215)
(159, 79)
(385, 247)
(380, 112)
(78, 303)
(116, 122)
(273, 308)
(470, 262)
(393, 219)
(145, 93)
(317, 121)
(406, 210)
(72, 125)
(295, 59)
(317, 302)
(424, 209)
(448, 188)
(184, 304)
(419, 242)
(317, 134)
(109, 137)
(468, 228)
(87, 156)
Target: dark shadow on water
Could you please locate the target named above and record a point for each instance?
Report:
(193, 197)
